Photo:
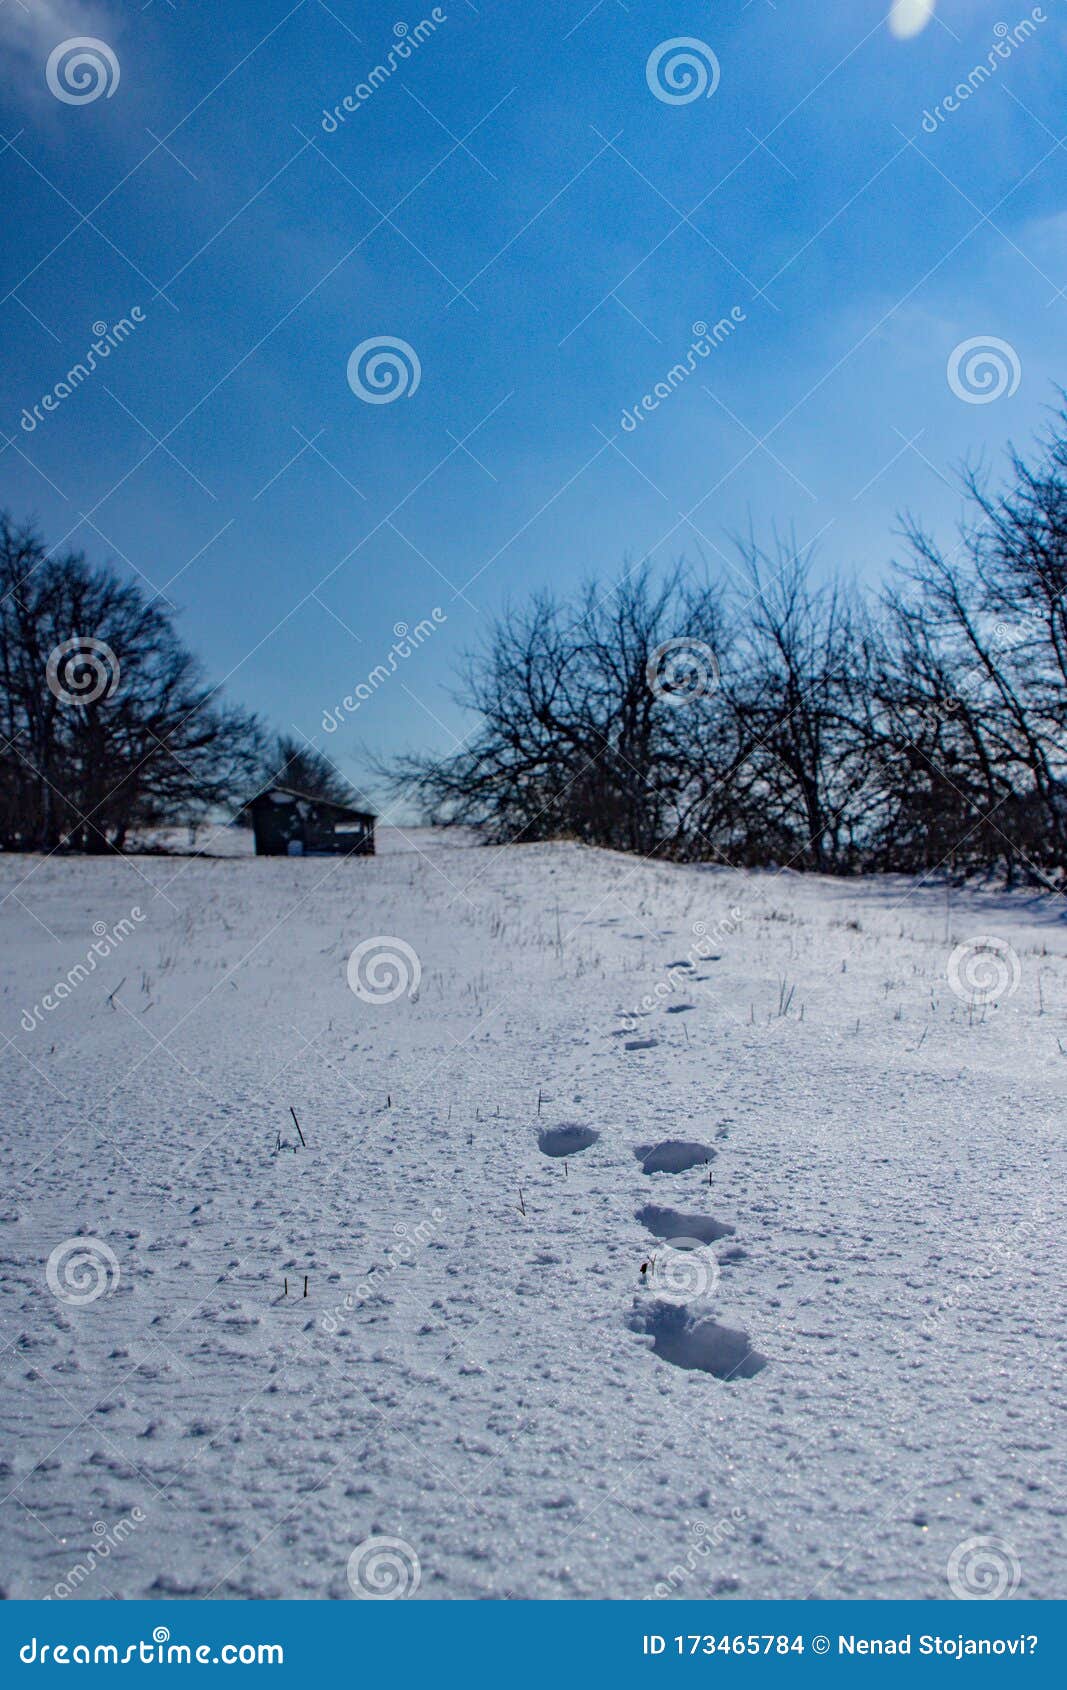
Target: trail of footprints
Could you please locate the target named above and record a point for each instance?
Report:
(682, 1331)
(682, 1334)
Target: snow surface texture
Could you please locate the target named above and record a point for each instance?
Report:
(843, 1371)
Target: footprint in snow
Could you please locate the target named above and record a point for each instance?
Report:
(671, 1223)
(672, 1156)
(566, 1140)
(690, 1339)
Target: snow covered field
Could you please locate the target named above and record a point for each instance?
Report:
(850, 1372)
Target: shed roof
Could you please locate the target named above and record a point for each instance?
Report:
(277, 790)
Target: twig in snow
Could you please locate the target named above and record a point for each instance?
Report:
(296, 1123)
(112, 995)
(522, 1205)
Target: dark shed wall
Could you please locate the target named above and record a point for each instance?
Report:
(276, 823)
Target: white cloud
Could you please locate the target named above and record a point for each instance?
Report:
(33, 29)
(28, 34)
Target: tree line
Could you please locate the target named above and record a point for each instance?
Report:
(774, 719)
(765, 717)
(107, 724)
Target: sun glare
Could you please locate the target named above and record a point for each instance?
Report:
(909, 17)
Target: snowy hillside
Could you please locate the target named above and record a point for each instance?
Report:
(846, 1371)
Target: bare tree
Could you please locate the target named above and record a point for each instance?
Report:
(798, 690)
(579, 732)
(298, 764)
(108, 723)
(973, 681)
(926, 729)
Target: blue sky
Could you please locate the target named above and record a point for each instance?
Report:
(515, 203)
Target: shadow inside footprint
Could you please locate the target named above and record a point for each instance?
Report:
(672, 1156)
(671, 1223)
(565, 1140)
(689, 1339)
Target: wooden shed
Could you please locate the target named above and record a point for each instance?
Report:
(294, 824)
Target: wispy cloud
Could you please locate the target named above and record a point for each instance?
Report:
(28, 33)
